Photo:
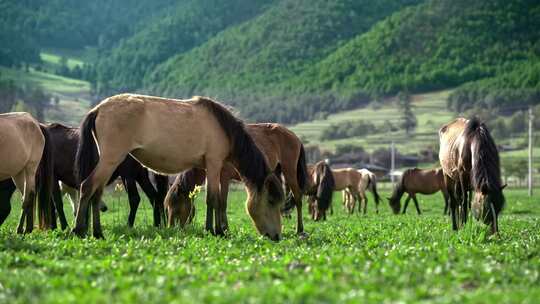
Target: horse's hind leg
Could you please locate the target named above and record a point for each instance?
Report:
(134, 199)
(291, 181)
(91, 190)
(26, 182)
(59, 205)
(98, 233)
(416, 204)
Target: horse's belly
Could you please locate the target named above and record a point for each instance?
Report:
(167, 163)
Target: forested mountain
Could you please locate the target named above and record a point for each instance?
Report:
(181, 28)
(290, 60)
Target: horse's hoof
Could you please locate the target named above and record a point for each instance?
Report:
(20, 230)
(99, 235)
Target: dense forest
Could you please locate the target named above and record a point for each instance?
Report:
(290, 60)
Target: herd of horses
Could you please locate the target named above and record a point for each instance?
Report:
(204, 143)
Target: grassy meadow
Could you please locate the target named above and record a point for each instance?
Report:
(348, 258)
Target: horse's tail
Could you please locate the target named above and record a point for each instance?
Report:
(250, 161)
(325, 189)
(372, 184)
(485, 162)
(301, 169)
(87, 152)
(44, 182)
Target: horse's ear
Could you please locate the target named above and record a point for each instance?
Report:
(275, 189)
(504, 186)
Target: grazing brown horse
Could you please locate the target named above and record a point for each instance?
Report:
(320, 189)
(470, 162)
(415, 181)
(367, 181)
(283, 152)
(170, 136)
(178, 205)
(26, 157)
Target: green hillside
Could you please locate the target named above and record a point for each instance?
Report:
(273, 47)
(182, 27)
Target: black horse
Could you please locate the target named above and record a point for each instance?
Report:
(64, 141)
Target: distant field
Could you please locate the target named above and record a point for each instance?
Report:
(73, 94)
(430, 111)
(370, 259)
(53, 60)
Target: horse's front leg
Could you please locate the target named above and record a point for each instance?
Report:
(212, 198)
(406, 204)
(224, 192)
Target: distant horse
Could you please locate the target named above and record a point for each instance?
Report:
(64, 141)
(320, 190)
(283, 152)
(470, 162)
(355, 181)
(367, 181)
(415, 181)
(26, 157)
(170, 136)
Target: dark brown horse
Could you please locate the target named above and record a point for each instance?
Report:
(470, 162)
(320, 190)
(283, 152)
(415, 181)
(63, 142)
(198, 133)
(178, 205)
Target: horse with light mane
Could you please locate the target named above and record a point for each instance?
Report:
(283, 152)
(470, 162)
(198, 132)
(367, 181)
(27, 159)
(415, 181)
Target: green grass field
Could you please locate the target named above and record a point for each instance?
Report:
(373, 258)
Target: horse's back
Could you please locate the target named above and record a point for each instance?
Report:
(449, 136)
(155, 129)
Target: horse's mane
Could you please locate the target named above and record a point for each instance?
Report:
(485, 164)
(325, 187)
(250, 161)
(486, 174)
